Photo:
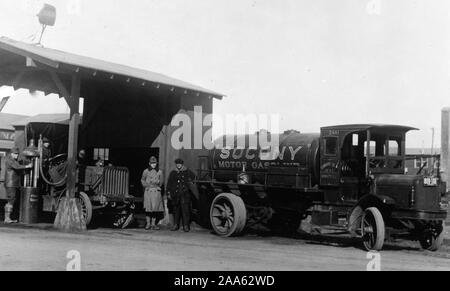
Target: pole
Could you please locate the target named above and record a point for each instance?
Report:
(369, 138)
(73, 137)
(70, 217)
(445, 146)
(432, 141)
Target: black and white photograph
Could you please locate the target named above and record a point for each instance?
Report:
(224, 143)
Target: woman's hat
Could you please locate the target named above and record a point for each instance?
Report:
(153, 160)
(179, 162)
(15, 150)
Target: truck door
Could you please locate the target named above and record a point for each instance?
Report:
(329, 158)
(352, 166)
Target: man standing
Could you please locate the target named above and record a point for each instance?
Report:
(12, 181)
(81, 166)
(82, 157)
(46, 149)
(180, 182)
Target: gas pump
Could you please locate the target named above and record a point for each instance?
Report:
(29, 202)
(32, 154)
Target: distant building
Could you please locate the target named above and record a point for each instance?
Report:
(421, 158)
(7, 134)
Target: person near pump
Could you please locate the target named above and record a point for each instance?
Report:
(13, 173)
(81, 167)
(152, 181)
(81, 158)
(46, 149)
(179, 185)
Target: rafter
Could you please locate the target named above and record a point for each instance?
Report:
(63, 92)
(18, 79)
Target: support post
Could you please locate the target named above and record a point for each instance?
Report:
(369, 138)
(69, 217)
(73, 136)
(445, 146)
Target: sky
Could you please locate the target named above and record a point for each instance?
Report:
(314, 63)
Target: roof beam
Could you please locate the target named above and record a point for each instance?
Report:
(63, 92)
(18, 51)
(18, 79)
(30, 63)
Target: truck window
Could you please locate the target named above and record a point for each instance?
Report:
(331, 146)
(355, 140)
(394, 148)
(373, 146)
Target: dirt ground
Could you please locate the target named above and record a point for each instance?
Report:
(41, 248)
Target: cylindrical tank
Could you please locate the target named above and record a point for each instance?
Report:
(29, 205)
(296, 153)
(31, 155)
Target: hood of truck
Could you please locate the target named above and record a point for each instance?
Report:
(397, 180)
(408, 192)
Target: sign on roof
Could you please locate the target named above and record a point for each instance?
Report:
(7, 135)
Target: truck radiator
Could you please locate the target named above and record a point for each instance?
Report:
(115, 182)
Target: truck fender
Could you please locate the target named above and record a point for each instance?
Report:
(367, 201)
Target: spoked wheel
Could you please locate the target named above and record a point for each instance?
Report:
(86, 207)
(228, 215)
(55, 171)
(372, 229)
(433, 237)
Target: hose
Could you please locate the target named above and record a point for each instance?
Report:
(63, 180)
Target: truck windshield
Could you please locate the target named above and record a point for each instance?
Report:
(385, 153)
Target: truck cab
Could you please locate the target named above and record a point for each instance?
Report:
(363, 166)
(353, 155)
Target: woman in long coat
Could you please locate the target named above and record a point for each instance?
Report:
(152, 181)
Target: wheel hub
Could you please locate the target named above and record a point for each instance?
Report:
(368, 229)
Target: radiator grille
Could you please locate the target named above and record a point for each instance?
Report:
(115, 182)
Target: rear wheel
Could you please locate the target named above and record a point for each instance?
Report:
(433, 237)
(228, 215)
(86, 207)
(372, 229)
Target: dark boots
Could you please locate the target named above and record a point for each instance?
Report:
(182, 213)
(8, 212)
(186, 228)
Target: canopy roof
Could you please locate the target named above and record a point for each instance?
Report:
(7, 120)
(57, 118)
(15, 56)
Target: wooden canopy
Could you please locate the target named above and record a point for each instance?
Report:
(71, 76)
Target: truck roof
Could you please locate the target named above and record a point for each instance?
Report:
(360, 127)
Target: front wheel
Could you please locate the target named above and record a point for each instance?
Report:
(372, 229)
(86, 207)
(433, 237)
(228, 215)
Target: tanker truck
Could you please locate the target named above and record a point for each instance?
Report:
(347, 178)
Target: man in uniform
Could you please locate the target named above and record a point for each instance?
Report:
(13, 171)
(46, 149)
(178, 189)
